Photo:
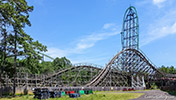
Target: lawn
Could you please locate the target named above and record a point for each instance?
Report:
(95, 96)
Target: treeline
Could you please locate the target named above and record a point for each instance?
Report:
(44, 67)
(35, 66)
(169, 70)
(52, 67)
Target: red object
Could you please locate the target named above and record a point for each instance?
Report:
(71, 92)
(124, 89)
(129, 89)
(67, 92)
(133, 89)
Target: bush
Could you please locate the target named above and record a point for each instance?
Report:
(154, 86)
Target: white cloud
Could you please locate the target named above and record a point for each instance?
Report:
(84, 45)
(108, 25)
(158, 1)
(161, 27)
(90, 40)
(85, 42)
(55, 52)
(159, 32)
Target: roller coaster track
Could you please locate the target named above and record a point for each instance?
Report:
(109, 65)
(115, 73)
(145, 68)
(127, 65)
(130, 67)
(75, 66)
(81, 71)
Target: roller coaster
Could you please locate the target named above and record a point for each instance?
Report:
(129, 68)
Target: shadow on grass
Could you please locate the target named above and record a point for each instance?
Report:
(10, 96)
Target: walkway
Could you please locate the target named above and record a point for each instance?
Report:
(154, 95)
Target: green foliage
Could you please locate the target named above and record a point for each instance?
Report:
(172, 92)
(61, 63)
(32, 65)
(14, 42)
(170, 70)
(47, 66)
(154, 86)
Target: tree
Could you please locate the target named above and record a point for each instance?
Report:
(61, 63)
(46, 67)
(169, 70)
(172, 70)
(14, 16)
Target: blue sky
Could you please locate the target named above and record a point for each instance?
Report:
(89, 30)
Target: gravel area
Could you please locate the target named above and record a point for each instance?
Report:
(155, 95)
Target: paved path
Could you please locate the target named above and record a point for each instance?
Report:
(154, 95)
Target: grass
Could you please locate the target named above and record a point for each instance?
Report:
(95, 96)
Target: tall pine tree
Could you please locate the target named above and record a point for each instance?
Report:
(14, 16)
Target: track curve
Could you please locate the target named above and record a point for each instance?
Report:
(80, 65)
(150, 69)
